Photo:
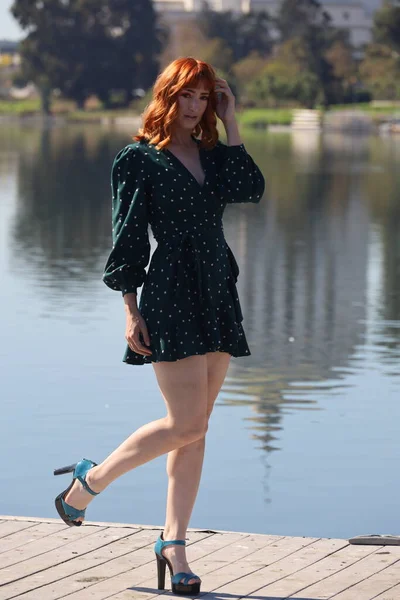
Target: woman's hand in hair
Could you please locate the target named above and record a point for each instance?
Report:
(225, 101)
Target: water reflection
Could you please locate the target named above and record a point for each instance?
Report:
(306, 261)
(311, 254)
(61, 221)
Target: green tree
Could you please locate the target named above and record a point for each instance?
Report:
(85, 47)
(287, 79)
(344, 72)
(380, 72)
(189, 40)
(254, 31)
(246, 71)
(241, 33)
(380, 68)
(387, 25)
(301, 18)
(305, 20)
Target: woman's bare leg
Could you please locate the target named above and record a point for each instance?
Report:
(186, 421)
(184, 466)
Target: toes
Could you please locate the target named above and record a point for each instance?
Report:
(192, 581)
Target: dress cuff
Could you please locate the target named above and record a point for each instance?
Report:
(236, 150)
(129, 290)
(131, 279)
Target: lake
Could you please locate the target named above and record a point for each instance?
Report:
(304, 438)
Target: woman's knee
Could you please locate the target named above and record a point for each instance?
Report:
(189, 431)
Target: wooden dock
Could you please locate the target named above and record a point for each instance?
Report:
(42, 559)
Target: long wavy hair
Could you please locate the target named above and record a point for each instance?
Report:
(160, 115)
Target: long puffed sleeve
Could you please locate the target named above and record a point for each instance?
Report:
(240, 178)
(125, 267)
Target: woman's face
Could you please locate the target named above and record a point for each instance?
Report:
(192, 103)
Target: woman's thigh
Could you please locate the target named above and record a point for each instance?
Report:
(183, 385)
(217, 367)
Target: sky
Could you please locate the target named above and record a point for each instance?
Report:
(9, 29)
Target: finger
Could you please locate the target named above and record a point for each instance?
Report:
(130, 344)
(145, 335)
(140, 348)
(223, 90)
(135, 346)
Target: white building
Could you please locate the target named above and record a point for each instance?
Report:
(354, 16)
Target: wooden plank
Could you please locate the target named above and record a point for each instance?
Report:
(352, 574)
(126, 554)
(39, 547)
(318, 571)
(21, 538)
(131, 574)
(10, 527)
(144, 579)
(136, 593)
(369, 588)
(244, 568)
(44, 559)
(33, 520)
(37, 520)
(270, 565)
(97, 565)
(217, 563)
(392, 594)
(67, 552)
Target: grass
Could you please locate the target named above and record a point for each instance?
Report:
(262, 117)
(377, 112)
(60, 107)
(252, 117)
(371, 107)
(98, 115)
(19, 107)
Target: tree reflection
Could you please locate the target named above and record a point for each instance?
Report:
(62, 225)
(303, 254)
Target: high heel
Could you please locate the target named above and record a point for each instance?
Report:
(178, 587)
(68, 513)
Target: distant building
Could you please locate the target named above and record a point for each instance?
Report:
(354, 16)
(9, 56)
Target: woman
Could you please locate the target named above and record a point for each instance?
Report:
(178, 178)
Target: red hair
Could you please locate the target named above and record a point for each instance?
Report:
(160, 115)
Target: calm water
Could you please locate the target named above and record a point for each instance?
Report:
(304, 438)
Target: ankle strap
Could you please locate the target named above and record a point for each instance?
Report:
(174, 543)
(85, 485)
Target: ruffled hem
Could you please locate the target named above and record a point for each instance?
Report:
(132, 358)
(175, 344)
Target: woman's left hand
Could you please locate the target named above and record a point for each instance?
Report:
(225, 101)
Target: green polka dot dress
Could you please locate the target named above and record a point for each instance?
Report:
(189, 299)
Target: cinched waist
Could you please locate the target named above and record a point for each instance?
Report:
(200, 232)
(185, 250)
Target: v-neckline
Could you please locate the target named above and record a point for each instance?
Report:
(201, 185)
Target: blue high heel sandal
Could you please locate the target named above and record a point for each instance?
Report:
(178, 586)
(68, 513)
